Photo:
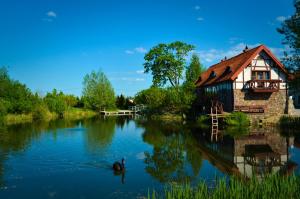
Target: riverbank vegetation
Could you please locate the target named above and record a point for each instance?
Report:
(273, 186)
(19, 105)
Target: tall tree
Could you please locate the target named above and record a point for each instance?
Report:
(193, 70)
(166, 62)
(98, 92)
(290, 29)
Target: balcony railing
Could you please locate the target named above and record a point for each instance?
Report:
(264, 86)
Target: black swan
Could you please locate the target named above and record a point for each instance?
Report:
(117, 166)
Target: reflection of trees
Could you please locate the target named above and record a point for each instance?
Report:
(99, 133)
(17, 138)
(172, 151)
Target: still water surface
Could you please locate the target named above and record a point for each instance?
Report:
(64, 159)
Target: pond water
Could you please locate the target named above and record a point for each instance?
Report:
(64, 159)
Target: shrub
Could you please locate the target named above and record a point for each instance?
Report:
(237, 119)
(40, 113)
(203, 121)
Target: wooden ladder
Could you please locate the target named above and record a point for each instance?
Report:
(214, 123)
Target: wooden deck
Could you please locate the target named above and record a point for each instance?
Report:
(117, 113)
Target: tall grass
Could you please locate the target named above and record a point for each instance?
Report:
(273, 186)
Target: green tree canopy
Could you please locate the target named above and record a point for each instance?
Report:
(166, 62)
(98, 92)
(14, 96)
(194, 70)
(290, 29)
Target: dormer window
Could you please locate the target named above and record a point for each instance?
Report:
(213, 74)
(228, 69)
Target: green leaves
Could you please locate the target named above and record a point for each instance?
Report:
(166, 62)
(98, 92)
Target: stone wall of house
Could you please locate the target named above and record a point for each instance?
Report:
(275, 103)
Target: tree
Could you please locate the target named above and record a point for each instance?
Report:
(15, 97)
(121, 102)
(98, 92)
(194, 70)
(166, 62)
(290, 29)
(56, 103)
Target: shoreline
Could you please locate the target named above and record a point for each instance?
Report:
(71, 114)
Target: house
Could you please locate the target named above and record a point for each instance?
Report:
(254, 81)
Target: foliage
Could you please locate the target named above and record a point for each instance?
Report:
(166, 62)
(123, 102)
(194, 70)
(290, 29)
(273, 186)
(71, 100)
(98, 92)
(16, 97)
(40, 113)
(203, 121)
(78, 113)
(153, 97)
(171, 99)
(179, 99)
(237, 119)
(55, 102)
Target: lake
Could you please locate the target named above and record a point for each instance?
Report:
(73, 159)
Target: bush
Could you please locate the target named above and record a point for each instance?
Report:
(40, 113)
(153, 97)
(237, 119)
(203, 121)
(3, 110)
(56, 103)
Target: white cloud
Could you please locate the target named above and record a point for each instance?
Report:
(129, 52)
(51, 14)
(130, 79)
(197, 7)
(281, 18)
(139, 79)
(216, 55)
(140, 71)
(140, 50)
(200, 19)
(233, 40)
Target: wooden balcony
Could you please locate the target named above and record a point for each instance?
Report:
(264, 86)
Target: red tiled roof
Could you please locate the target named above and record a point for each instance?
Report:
(229, 69)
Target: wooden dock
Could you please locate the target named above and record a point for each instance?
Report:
(117, 113)
(132, 111)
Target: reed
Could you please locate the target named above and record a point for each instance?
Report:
(273, 186)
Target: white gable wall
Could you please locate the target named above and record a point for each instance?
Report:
(260, 64)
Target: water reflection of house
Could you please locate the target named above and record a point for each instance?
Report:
(259, 154)
(256, 154)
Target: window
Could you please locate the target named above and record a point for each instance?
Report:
(262, 75)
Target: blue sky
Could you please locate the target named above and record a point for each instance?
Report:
(53, 43)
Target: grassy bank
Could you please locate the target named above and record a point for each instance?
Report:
(69, 114)
(271, 187)
(166, 117)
